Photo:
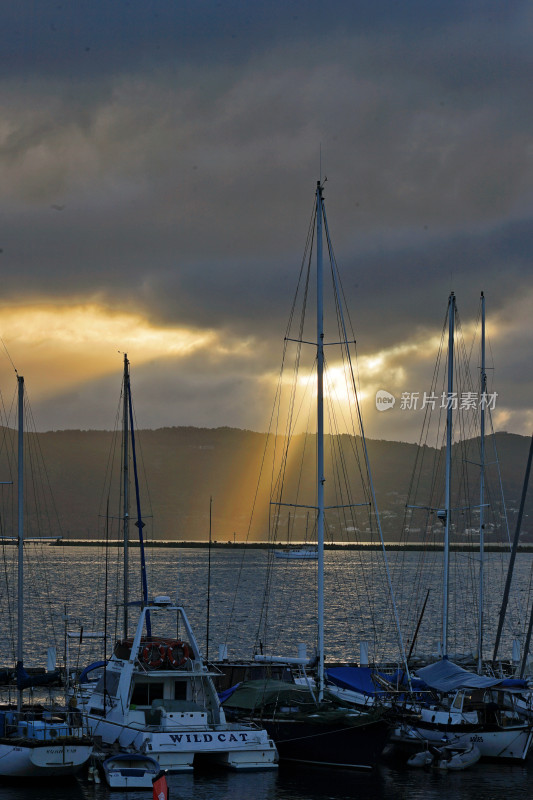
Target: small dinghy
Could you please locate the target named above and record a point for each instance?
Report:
(130, 771)
(456, 758)
(421, 759)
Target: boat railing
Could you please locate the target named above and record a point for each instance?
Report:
(42, 725)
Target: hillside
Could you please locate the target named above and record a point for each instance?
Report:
(184, 467)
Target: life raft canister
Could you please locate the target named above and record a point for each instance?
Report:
(153, 655)
(177, 654)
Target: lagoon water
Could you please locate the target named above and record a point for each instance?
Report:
(480, 782)
(358, 608)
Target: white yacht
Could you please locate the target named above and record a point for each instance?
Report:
(157, 697)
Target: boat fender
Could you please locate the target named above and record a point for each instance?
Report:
(177, 654)
(153, 655)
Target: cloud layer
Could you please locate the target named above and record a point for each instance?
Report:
(160, 160)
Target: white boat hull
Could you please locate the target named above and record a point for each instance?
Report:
(512, 744)
(183, 725)
(127, 772)
(42, 760)
(233, 746)
(300, 554)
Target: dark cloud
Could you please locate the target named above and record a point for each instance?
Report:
(91, 38)
(180, 142)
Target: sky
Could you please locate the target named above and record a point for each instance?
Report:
(158, 161)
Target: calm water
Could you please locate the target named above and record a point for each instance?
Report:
(358, 608)
(241, 613)
(480, 782)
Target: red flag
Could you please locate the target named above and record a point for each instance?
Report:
(160, 786)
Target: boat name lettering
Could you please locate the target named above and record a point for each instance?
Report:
(232, 738)
(198, 738)
(476, 738)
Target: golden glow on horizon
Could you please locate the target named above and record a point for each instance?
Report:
(66, 345)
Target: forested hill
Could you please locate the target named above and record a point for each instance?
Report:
(183, 468)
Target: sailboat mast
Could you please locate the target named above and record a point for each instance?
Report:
(320, 438)
(20, 582)
(126, 499)
(483, 394)
(447, 502)
(514, 548)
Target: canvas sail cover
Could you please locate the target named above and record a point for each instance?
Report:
(358, 679)
(366, 680)
(252, 695)
(445, 676)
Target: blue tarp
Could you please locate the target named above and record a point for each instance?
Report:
(89, 669)
(514, 683)
(25, 681)
(445, 676)
(359, 679)
(399, 678)
(227, 692)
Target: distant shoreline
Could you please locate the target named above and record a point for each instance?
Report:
(526, 547)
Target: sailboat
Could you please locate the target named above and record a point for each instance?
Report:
(307, 722)
(36, 741)
(303, 552)
(156, 695)
(466, 707)
(298, 552)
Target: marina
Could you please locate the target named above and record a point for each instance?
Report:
(300, 565)
(388, 782)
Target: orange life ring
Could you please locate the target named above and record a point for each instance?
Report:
(153, 655)
(177, 654)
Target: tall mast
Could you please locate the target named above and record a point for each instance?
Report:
(514, 548)
(139, 524)
(20, 587)
(126, 499)
(483, 393)
(447, 501)
(320, 438)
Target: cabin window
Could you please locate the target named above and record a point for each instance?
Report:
(180, 690)
(108, 683)
(458, 702)
(144, 693)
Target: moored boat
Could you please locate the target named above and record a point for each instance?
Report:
(36, 741)
(156, 697)
(307, 732)
(466, 707)
(297, 552)
(130, 771)
(309, 724)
